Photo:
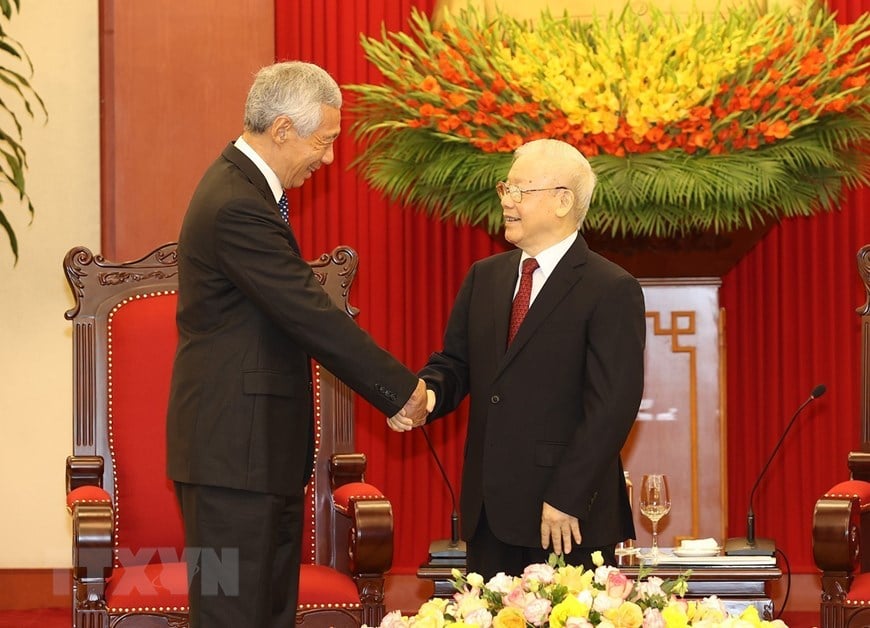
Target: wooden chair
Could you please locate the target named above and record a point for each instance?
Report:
(128, 566)
(841, 520)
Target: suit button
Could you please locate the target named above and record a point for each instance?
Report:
(495, 399)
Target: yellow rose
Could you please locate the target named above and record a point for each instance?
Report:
(674, 616)
(431, 613)
(509, 617)
(626, 615)
(569, 607)
(597, 558)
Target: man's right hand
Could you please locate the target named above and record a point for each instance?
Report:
(414, 412)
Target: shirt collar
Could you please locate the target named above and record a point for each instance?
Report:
(271, 178)
(549, 257)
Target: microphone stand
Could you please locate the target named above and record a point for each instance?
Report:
(450, 550)
(749, 545)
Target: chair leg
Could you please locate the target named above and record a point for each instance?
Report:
(90, 618)
(371, 593)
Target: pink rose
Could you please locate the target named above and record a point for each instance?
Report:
(516, 598)
(539, 572)
(618, 585)
(652, 618)
(537, 611)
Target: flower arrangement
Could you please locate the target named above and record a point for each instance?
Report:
(554, 595)
(691, 123)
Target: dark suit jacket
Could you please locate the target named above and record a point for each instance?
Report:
(250, 313)
(550, 414)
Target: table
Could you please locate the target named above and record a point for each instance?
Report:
(739, 581)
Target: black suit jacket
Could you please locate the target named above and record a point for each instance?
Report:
(550, 414)
(250, 314)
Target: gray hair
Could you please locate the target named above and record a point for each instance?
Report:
(292, 88)
(581, 177)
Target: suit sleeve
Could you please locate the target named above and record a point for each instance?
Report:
(446, 372)
(612, 391)
(252, 248)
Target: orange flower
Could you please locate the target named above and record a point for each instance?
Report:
(487, 101)
(481, 118)
(654, 134)
(811, 64)
(506, 110)
(510, 142)
(430, 84)
(498, 84)
(778, 130)
(455, 99)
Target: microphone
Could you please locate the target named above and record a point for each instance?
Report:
(749, 545)
(452, 548)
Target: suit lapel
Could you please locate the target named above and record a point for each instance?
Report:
(561, 281)
(250, 170)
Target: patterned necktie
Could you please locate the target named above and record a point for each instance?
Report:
(284, 208)
(521, 301)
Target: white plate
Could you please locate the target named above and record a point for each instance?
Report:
(692, 552)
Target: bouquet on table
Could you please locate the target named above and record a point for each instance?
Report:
(554, 595)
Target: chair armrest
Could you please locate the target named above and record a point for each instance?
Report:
(92, 529)
(859, 465)
(83, 470)
(346, 468)
(837, 526)
(370, 529)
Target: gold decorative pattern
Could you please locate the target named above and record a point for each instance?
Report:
(682, 323)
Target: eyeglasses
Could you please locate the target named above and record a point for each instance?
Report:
(516, 193)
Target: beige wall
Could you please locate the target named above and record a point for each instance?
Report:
(61, 37)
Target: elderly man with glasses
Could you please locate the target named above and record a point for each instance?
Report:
(548, 341)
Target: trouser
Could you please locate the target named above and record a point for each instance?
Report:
(243, 551)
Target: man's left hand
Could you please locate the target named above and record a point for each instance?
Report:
(559, 528)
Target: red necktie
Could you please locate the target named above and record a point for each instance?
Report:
(284, 208)
(521, 301)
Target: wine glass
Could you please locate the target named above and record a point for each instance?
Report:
(655, 503)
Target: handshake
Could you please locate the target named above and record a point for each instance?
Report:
(415, 411)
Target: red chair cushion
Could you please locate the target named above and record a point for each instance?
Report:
(859, 591)
(164, 587)
(324, 586)
(139, 588)
(354, 490)
(87, 493)
(851, 488)
(142, 345)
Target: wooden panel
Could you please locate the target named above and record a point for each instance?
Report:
(680, 427)
(174, 76)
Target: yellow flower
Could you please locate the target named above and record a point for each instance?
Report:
(431, 614)
(575, 579)
(626, 615)
(569, 607)
(675, 616)
(475, 580)
(750, 614)
(509, 617)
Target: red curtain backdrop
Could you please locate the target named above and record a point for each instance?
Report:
(789, 306)
(790, 325)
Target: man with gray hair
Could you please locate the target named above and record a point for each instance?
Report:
(548, 341)
(250, 317)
